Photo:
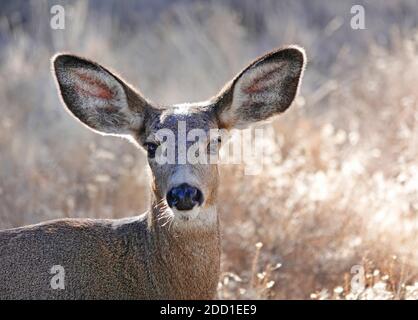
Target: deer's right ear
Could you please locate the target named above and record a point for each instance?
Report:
(98, 98)
(264, 89)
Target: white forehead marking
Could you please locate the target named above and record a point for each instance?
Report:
(183, 108)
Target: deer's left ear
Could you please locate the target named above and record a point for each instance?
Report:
(264, 89)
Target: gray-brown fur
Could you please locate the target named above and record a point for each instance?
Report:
(108, 259)
(163, 254)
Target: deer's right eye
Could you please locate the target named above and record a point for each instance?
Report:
(151, 149)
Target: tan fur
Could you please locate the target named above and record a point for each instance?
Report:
(164, 253)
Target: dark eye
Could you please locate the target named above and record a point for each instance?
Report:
(151, 149)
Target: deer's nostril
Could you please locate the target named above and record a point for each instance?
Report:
(198, 197)
(191, 192)
(184, 197)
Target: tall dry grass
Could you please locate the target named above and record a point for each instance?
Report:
(339, 187)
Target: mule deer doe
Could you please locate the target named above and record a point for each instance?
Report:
(141, 257)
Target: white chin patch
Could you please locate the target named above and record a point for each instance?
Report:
(186, 215)
(198, 217)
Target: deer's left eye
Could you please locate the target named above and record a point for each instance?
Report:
(151, 149)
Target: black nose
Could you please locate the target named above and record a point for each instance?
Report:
(184, 197)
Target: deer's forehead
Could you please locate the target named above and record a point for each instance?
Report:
(192, 119)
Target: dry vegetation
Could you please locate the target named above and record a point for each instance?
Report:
(339, 187)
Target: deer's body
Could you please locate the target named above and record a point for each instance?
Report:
(172, 251)
(131, 258)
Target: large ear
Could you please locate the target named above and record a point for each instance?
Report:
(265, 88)
(97, 97)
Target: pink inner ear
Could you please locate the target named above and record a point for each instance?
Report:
(262, 82)
(93, 87)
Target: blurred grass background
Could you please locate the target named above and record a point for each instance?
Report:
(340, 187)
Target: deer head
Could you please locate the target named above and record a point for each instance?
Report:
(108, 105)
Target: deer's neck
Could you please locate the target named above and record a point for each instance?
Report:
(186, 255)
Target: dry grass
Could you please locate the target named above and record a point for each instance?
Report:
(340, 185)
